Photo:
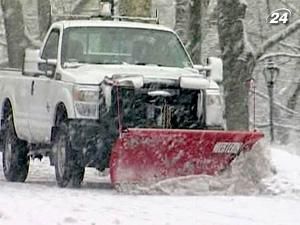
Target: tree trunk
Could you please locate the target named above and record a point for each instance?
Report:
(292, 102)
(238, 60)
(293, 99)
(14, 27)
(140, 8)
(182, 19)
(44, 15)
(78, 5)
(197, 31)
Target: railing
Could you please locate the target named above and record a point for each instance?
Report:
(266, 125)
(293, 115)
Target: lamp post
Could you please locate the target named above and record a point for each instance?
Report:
(271, 72)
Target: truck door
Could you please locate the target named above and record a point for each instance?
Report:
(40, 108)
(21, 110)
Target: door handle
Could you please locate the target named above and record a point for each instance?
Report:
(32, 88)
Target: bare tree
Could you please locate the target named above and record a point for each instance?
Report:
(277, 37)
(135, 8)
(44, 16)
(78, 5)
(240, 59)
(196, 28)
(14, 27)
(18, 38)
(182, 19)
(292, 102)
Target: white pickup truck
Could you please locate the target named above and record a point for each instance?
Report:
(63, 103)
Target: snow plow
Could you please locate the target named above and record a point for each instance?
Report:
(150, 155)
(161, 137)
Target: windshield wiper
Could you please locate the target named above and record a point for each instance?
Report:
(71, 65)
(147, 64)
(110, 63)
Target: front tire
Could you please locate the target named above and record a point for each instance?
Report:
(68, 168)
(15, 158)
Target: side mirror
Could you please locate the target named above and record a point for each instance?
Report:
(48, 67)
(30, 63)
(35, 66)
(214, 68)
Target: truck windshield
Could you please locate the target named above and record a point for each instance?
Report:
(115, 45)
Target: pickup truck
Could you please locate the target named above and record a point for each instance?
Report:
(63, 103)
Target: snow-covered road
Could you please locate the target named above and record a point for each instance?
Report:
(39, 202)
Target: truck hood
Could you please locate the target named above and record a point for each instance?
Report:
(95, 74)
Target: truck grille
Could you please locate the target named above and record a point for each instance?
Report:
(141, 110)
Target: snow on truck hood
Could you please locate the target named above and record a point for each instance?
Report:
(95, 74)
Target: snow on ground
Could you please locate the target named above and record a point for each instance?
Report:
(287, 179)
(40, 202)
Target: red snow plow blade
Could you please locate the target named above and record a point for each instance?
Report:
(150, 155)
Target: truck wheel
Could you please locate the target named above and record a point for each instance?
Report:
(15, 158)
(68, 169)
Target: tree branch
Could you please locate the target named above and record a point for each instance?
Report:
(278, 54)
(277, 37)
(277, 104)
(290, 6)
(293, 47)
(77, 6)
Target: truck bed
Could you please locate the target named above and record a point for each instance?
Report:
(9, 78)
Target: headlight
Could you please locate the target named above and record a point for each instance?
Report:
(214, 109)
(85, 94)
(86, 101)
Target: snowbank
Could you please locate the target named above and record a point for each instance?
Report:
(286, 181)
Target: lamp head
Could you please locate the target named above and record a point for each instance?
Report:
(271, 72)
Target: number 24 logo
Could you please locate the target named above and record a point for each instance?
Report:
(279, 16)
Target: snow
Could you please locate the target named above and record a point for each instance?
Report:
(39, 201)
(287, 179)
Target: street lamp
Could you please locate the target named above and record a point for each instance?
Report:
(271, 72)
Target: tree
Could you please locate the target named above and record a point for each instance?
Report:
(14, 27)
(295, 97)
(189, 25)
(182, 20)
(20, 27)
(135, 8)
(36, 16)
(44, 16)
(240, 59)
(196, 28)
